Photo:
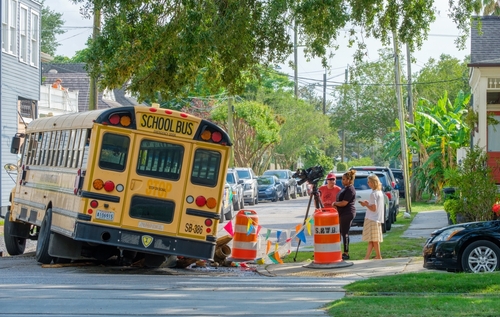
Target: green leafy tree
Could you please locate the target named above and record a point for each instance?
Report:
(491, 7)
(51, 26)
(446, 74)
(161, 46)
(367, 107)
(256, 132)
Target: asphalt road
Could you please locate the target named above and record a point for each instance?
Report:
(93, 289)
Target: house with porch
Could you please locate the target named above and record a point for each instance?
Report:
(484, 81)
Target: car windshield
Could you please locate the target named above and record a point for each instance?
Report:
(265, 181)
(279, 174)
(230, 178)
(244, 174)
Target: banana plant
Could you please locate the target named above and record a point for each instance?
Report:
(436, 134)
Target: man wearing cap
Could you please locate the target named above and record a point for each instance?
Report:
(329, 192)
(57, 84)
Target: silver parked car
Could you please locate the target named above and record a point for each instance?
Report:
(250, 189)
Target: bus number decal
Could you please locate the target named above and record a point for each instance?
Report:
(191, 228)
(158, 188)
(168, 125)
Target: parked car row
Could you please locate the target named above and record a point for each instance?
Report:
(245, 187)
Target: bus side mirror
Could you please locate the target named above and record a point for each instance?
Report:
(16, 143)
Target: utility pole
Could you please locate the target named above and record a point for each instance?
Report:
(342, 156)
(413, 187)
(230, 128)
(410, 95)
(324, 92)
(94, 92)
(402, 131)
(295, 61)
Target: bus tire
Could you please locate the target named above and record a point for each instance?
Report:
(42, 247)
(14, 245)
(153, 260)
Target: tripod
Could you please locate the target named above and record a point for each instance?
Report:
(317, 204)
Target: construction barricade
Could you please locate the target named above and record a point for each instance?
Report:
(245, 240)
(327, 249)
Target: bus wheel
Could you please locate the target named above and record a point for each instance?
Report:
(14, 245)
(42, 247)
(153, 260)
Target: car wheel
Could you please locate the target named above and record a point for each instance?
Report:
(388, 222)
(481, 256)
(14, 245)
(242, 203)
(230, 214)
(384, 228)
(256, 199)
(282, 197)
(287, 194)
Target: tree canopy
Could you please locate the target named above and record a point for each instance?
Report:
(161, 46)
(51, 26)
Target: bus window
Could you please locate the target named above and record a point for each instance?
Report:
(160, 159)
(152, 209)
(205, 167)
(114, 151)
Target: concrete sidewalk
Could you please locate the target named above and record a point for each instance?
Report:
(422, 226)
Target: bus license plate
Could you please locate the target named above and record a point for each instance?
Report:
(105, 215)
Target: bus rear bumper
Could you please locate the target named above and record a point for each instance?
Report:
(144, 242)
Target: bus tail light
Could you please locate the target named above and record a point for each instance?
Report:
(201, 201)
(208, 222)
(123, 119)
(211, 203)
(94, 204)
(210, 135)
(98, 184)
(109, 186)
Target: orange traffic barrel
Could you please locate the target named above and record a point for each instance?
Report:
(327, 237)
(245, 241)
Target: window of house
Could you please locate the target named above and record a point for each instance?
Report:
(12, 27)
(494, 136)
(23, 34)
(35, 39)
(9, 19)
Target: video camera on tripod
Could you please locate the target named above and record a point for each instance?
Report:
(311, 175)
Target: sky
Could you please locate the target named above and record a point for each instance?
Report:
(441, 39)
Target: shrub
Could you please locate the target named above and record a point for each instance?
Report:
(341, 167)
(475, 187)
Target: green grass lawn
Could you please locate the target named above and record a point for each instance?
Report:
(430, 294)
(394, 246)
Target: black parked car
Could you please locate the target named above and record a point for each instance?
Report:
(398, 174)
(470, 247)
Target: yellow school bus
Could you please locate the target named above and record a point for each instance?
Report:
(122, 182)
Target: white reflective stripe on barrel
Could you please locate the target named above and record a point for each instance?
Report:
(326, 247)
(244, 245)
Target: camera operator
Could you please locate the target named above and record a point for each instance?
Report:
(346, 209)
(329, 192)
